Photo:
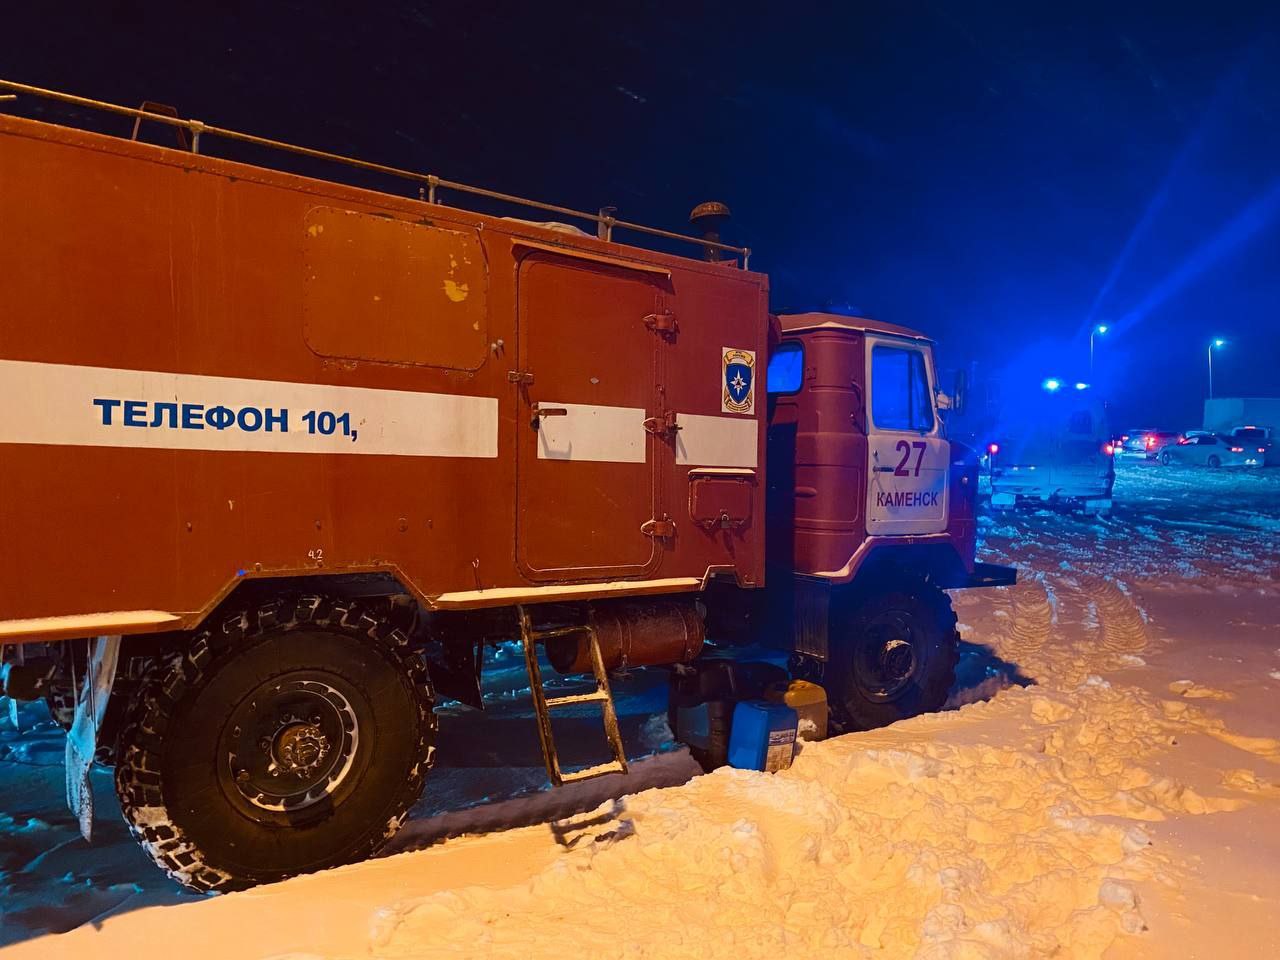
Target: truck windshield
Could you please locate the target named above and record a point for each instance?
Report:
(900, 390)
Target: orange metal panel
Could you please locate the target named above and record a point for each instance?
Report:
(377, 288)
(125, 257)
(586, 473)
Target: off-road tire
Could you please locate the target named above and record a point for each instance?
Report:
(933, 640)
(183, 813)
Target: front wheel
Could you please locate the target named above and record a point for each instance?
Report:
(1165, 458)
(893, 655)
(291, 738)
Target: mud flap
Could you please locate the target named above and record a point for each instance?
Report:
(82, 739)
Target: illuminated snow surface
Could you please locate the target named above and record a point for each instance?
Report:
(1110, 787)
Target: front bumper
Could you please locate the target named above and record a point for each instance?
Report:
(990, 575)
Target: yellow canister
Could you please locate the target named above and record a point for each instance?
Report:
(809, 701)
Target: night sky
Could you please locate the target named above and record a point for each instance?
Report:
(1001, 175)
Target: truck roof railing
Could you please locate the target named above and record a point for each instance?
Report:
(605, 222)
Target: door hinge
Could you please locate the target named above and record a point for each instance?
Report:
(520, 376)
(662, 425)
(663, 323)
(659, 529)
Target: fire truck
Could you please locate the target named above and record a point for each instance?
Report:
(281, 458)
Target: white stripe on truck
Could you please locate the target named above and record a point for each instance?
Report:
(589, 432)
(50, 403)
(705, 441)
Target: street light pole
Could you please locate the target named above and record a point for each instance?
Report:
(1100, 328)
(1212, 344)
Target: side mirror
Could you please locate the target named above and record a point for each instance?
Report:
(960, 391)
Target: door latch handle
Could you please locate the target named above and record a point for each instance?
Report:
(663, 425)
(538, 411)
(659, 528)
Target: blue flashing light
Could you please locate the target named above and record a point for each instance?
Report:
(1052, 384)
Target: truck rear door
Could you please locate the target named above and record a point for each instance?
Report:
(908, 457)
(585, 464)
(1081, 467)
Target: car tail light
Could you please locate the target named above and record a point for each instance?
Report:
(1124, 437)
(1151, 442)
(1262, 449)
(1237, 449)
(1108, 449)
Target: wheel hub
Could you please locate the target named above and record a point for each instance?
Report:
(897, 660)
(887, 660)
(300, 748)
(290, 744)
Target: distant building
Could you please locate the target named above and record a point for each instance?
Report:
(1224, 414)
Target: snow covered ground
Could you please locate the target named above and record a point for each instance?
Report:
(1107, 783)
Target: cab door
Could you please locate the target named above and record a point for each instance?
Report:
(907, 455)
(585, 462)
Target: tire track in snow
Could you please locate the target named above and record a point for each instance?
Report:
(1030, 624)
(1124, 629)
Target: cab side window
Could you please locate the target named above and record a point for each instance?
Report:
(786, 369)
(900, 390)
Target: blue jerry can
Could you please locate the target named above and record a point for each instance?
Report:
(763, 736)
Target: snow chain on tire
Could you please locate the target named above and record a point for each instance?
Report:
(138, 771)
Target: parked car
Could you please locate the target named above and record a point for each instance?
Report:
(1260, 437)
(1145, 443)
(1131, 442)
(1205, 449)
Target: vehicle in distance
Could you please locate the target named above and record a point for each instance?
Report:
(1262, 437)
(1145, 443)
(1201, 448)
(1058, 450)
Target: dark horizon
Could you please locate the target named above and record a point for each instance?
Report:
(1004, 179)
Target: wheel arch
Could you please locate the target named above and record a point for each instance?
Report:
(937, 563)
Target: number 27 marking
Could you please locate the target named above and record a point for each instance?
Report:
(901, 469)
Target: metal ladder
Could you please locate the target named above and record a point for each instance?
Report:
(543, 705)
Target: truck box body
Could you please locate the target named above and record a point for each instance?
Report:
(210, 371)
(1224, 414)
(1058, 448)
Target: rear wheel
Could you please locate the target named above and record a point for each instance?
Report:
(1214, 461)
(893, 655)
(1165, 458)
(293, 738)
